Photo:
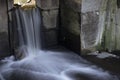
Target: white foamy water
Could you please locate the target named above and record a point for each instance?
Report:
(45, 65)
(49, 65)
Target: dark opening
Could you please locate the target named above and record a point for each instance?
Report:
(118, 3)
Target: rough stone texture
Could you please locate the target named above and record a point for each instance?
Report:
(118, 29)
(103, 17)
(91, 24)
(4, 47)
(90, 5)
(89, 29)
(48, 4)
(50, 19)
(50, 25)
(70, 26)
(112, 28)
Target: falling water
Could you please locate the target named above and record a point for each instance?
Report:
(45, 65)
(29, 23)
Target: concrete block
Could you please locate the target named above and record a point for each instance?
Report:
(48, 4)
(90, 5)
(50, 19)
(89, 29)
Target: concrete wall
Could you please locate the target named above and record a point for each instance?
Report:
(70, 11)
(90, 29)
(112, 27)
(4, 46)
(50, 19)
(100, 25)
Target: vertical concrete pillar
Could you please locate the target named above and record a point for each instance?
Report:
(4, 43)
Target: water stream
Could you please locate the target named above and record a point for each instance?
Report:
(45, 65)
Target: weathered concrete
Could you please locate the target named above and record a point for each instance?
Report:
(90, 5)
(4, 46)
(90, 29)
(92, 24)
(50, 19)
(100, 25)
(48, 4)
(70, 25)
(50, 24)
(118, 29)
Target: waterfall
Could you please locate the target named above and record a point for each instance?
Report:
(45, 65)
(28, 26)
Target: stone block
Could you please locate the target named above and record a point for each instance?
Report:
(48, 4)
(89, 29)
(100, 27)
(90, 5)
(50, 19)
